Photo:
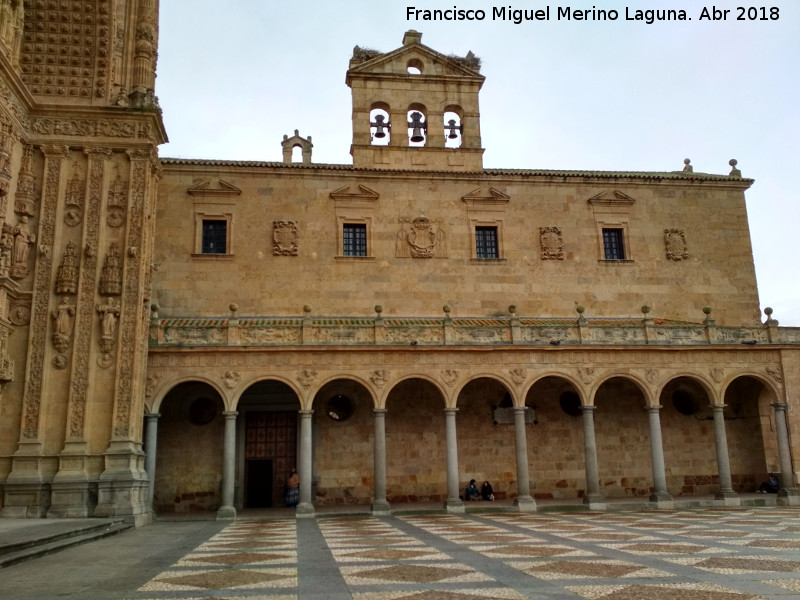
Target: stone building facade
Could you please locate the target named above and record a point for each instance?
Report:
(177, 335)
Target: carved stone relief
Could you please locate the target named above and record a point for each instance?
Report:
(450, 376)
(109, 317)
(230, 379)
(306, 377)
(379, 377)
(73, 205)
(117, 194)
(552, 243)
(25, 199)
(111, 274)
(67, 272)
(517, 375)
(6, 248)
(421, 238)
(675, 244)
(284, 237)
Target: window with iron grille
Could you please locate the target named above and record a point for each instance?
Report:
(354, 239)
(613, 246)
(486, 242)
(215, 236)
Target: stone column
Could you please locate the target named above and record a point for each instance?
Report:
(453, 503)
(725, 493)
(227, 510)
(150, 442)
(524, 500)
(594, 498)
(660, 493)
(380, 506)
(787, 494)
(304, 467)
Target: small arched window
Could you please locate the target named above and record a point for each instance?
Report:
(380, 128)
(414, 67)
(297, 153)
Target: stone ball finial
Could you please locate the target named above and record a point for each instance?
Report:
(733, 162)
(233, 307)
(735, 172)
(512, 309)
(307, 308)
(768, 311)
(707, 310)
(687, 167)
(446, 308)
(580, 308)
(379, 308)
(645, 309)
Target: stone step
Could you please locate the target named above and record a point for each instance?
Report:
(46, 538)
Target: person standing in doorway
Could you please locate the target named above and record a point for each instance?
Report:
(293, 490)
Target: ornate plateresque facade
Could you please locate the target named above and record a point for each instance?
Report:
(177, 335)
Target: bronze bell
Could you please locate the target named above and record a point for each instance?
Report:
(451, 125)
(379, 126)
(418, 127)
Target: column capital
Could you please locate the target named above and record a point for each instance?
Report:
(780, 406)
(520, 409)
(152, 416)
(588, 408)
(230, 414)
(380, 411)
(306, 413)
(654, 409)
(718, 407)
(450, 410)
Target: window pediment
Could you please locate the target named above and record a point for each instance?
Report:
(481, 198)
(359, 194)
(611, 198)
(214, 187)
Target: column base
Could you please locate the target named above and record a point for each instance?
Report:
(454, 506)
(662, 500)
(727, 498)
(380, 508)
(788, 497)
(226, 513)
(304, 510)
(595, 501)
(525, 504)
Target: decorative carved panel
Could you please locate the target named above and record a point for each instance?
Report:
(284, 237)
(675, 244)
(552, 243)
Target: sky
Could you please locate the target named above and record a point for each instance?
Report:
(619, 95)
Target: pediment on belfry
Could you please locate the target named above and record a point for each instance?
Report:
(214, 187)
(396, 63)
(611, 198)
(485, 197)
(355, 193)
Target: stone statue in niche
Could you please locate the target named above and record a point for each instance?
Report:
(62, 319)
(23, 239)
(67, 274)
(109, 316)
(73, 207)
(675, 244)
(421, 238)
(552, 243)
(24, 201)
(284, 237)
(111, 273)
(116, 202)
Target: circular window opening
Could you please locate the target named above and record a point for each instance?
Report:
(340, 408)
(570, 403)
(414, 67)
(202, 411)
(684, 402)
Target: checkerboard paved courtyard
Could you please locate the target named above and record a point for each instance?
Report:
(714, 554)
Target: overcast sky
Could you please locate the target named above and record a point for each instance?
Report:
(235, 76)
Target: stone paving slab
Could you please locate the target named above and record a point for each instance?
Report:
(705, 554)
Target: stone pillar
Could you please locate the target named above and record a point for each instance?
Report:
(305, 468)
(453, 502)
(227, 510)
(594, 498)
(725, 494)
(788, 493)
(524, 501)
(380, 506)
(150, 442)
(660, 494)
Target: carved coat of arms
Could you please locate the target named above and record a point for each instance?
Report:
(284, 237)
(421, 238)
(552, 243)
(675, 244)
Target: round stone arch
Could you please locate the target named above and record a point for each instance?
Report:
(751, 427)
(509, 386)
(448, 399)
(574, 382)
(332, 379)
(712, 391)
(243, 386)
(640, 384)
(684, 391)
(166, 387)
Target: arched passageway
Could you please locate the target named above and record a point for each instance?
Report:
(555, 439)
(266, 446)
(750, 425)
(189, 459)
(342, 444)
(416, 448)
